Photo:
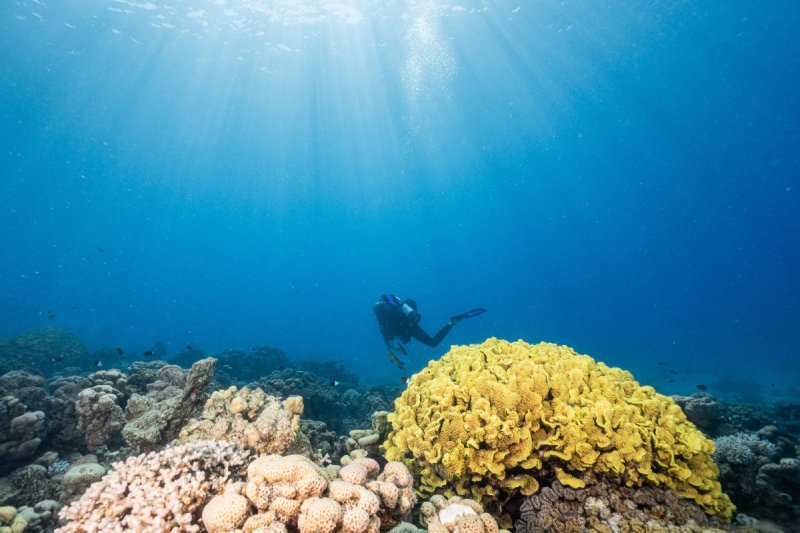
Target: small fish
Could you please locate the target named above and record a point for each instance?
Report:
(189, 347)
(120, 351)
(51, 315)
(670, 381)
(702, 387)
(148, 353)
(98, 363)
(334, 383)
(661, 363)
(672, 372)
(404, 379)
(58, 358)
(74, 307)
(100, 249)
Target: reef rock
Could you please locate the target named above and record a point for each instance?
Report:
(99, 414)
(157, 418)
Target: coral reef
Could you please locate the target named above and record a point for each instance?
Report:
(598, 507)
(44, 351)
(701, 409)
(493, 420)
(760, 473)
(156, 492)
(341, 410)
(291, 493)
(247, 418)
(325, 445)
(25, 518)
(787, 414)
(28, 484)
(778, 492)
(157, 418)
(443, 515)
(236, 367)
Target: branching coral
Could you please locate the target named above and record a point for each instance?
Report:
(494, 419)
(156, 492)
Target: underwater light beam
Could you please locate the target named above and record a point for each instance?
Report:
(430, 65)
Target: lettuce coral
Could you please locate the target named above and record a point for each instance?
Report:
(494, 419)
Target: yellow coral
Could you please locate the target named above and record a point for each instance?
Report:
(490, 420)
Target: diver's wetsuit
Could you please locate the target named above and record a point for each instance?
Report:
(394, 324)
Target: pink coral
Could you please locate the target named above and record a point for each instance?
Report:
(156, 492)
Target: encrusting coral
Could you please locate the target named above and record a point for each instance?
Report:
(248, 418)
(290, 493)
(494, 419)
(156, 492)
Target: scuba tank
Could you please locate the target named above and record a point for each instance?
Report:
(407, 307)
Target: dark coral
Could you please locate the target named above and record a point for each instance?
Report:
(323, 442)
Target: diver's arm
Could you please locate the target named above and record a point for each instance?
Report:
(419, 334)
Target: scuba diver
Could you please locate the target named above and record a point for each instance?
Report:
(399, 319)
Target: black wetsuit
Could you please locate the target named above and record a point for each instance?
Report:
(394, 324)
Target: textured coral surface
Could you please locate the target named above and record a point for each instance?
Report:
(494, 419)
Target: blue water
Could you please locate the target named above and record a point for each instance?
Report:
(622, 177)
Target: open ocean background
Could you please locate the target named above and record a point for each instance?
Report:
(619, 176)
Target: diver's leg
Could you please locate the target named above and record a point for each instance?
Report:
(419, 334)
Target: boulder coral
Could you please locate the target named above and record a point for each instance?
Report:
(496, 419)
(290, 494)
(248, 418)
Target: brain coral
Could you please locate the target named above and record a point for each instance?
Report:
(494, 419)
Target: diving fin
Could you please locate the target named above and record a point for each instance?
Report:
(469, 314)
(393, 358)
